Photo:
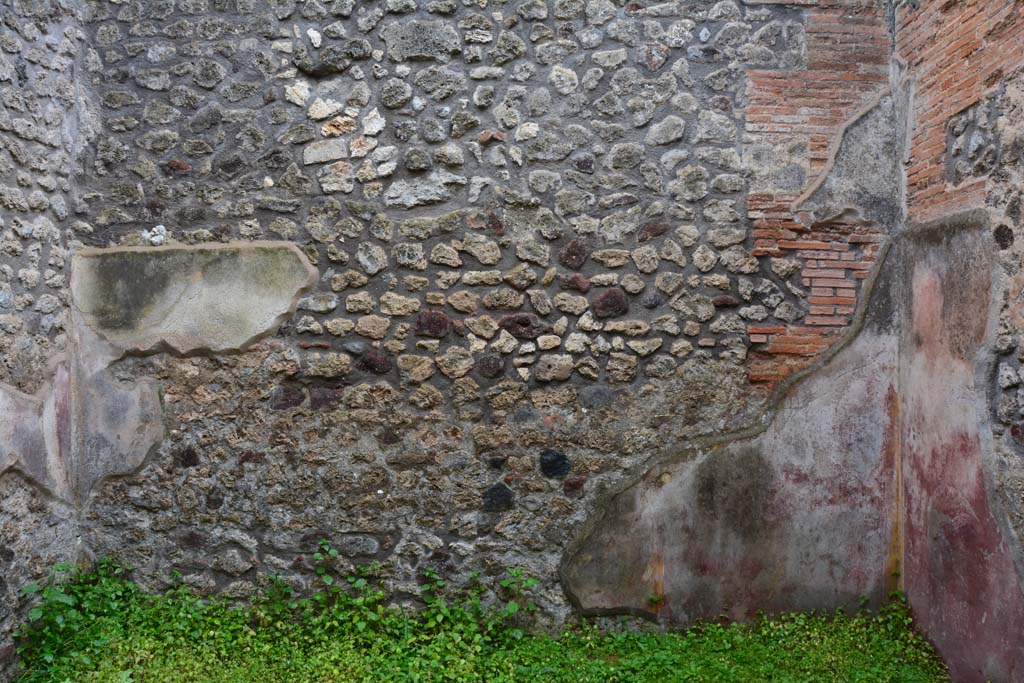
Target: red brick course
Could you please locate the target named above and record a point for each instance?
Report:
(847, 66)
(981, 42)
(835, 258)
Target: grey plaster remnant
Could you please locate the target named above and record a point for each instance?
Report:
(189, 299)
(864, 166)
(597, 591)
(23, 443)
(865, 172)
(87, 425)
(84, 426)
(112, 426)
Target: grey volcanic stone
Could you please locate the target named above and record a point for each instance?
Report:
(554, 464)
(498, 498)
(440, 82)
(419, 39)
(395, 93)
(669, 129)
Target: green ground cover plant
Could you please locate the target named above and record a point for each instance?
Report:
(98, 626)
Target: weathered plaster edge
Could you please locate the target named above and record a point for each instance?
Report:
(702, 444)
(836, 145)
(164, 346)
(38, 399)
(14, 469)
(89, 251)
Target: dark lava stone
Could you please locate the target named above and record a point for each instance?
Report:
(524, 415)
(6, 554)
(375, 362)
(584, 163)
(498, 498)
(725, 301)
(596, 396)
(721, 103)
(572, 487)
(1017, 432)
(388, 436)
(416, 159)
(652, 299)
(612, 302)
(575, 281)
(187, 457)
(320, 397)
(206, 118)
(193, 539)
(277, 158)
(554, 464)
(250, 456)
(231, 165)
(332, 60)
(573, 254)
(1004, 236)
(495, 224)
(432, 324)
(287, 396)
(524, 325)
(491, 366)
(356, 48)
(214, 499)
(174, 167)
(651, 230)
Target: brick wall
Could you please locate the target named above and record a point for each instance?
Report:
(836, 259)
(981, 41)
(846, 68)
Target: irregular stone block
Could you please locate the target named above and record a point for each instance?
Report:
(420, 40)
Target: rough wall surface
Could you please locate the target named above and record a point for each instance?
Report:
(620, 292)
(959, 565)
(964, 154)
(792, 519)
(43, 127)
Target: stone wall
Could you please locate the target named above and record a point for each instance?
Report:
(604, 289)
(529, 222)
(507, 190)
(44, 124)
